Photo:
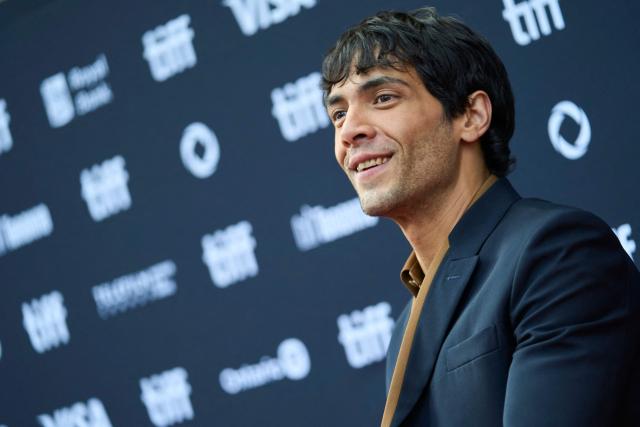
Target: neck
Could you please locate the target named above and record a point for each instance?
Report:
(431, 225)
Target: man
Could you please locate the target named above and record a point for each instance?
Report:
(522, 312)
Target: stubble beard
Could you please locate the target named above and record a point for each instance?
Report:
(419, 187)
(376, 204)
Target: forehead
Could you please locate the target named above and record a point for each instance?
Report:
(371, 79)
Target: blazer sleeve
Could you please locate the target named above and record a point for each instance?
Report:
(574, 312)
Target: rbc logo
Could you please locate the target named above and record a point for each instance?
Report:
(577, 149)
(57, 100)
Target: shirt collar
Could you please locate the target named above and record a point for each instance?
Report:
(412, 274)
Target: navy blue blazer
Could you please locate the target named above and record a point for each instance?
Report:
(532, 320)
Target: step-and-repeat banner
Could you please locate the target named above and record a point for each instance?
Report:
(177, 244)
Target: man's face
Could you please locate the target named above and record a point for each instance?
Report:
(393, 141)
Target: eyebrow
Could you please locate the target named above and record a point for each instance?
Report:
(366, 86)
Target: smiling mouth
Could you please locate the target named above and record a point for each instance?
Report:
(371, 163)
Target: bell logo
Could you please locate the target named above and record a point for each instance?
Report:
(577, 149)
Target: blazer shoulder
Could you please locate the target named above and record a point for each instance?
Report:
(533, 219)
(535, 229)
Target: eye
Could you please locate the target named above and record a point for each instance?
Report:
(337, 115)
(385, 97)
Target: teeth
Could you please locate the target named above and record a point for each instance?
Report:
(371, 162)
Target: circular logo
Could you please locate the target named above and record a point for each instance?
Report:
(199, 135)
(294, 359)
(577, 149)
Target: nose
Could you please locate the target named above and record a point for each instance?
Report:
(356, 128)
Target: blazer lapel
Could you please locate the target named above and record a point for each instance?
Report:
(436, 316)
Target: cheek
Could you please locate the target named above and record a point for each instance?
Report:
(339, 152)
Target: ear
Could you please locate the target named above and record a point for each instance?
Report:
(477, 116)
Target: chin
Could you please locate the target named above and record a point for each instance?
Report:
(374, 206)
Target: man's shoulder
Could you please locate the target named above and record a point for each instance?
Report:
(533, 215)
(539, 227)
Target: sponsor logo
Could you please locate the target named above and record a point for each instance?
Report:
(6, 141)
(169, 48)
(198, 137)
(24, 228)
(299, 107)
(104, 188)
(81, 91)
(623, 232)
(534, 15)
(166, 396)
(365, 334)
(254, 15)
(316, 225)
(45, 320)
(89, 414)
(292, 362)
(135, 290)
(579, 147)
(230, 254)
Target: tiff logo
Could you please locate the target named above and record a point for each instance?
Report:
(623, 232)
(80, 414)
(299, 107)
(45, 320)
(534, 15)
(253, 15)
(365, 334)
(230, 254)
(6, 141)
(104, 188)
(169, 48)
(166, 396)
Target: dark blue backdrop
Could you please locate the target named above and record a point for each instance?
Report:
(177, 244)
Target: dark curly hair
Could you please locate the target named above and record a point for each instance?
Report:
(451, 59)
